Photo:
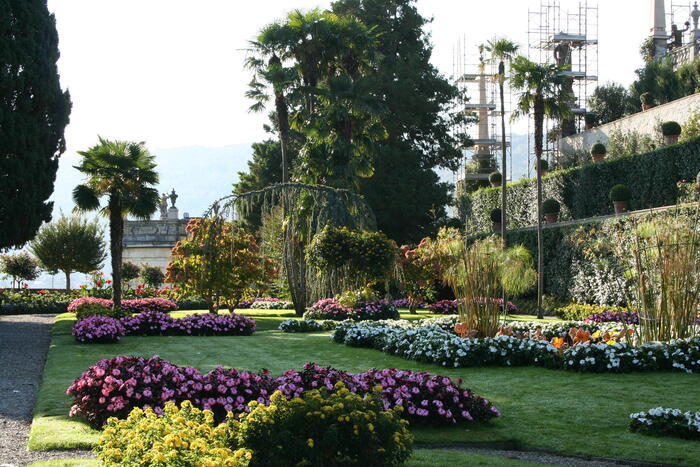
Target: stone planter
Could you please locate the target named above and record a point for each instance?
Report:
(543, 172)
(494, 184)
(598, 157)
(496, 227)
(551, 217)
(670, 139)
(621, 206)
(646, 106)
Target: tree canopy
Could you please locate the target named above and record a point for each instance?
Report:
(33, 115)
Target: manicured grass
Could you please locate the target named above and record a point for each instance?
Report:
(570, 413)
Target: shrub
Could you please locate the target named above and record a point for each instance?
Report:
(598, 149)
(495, 177)
(581, 311)
(495, 215)
(328, 308)
(184, 436)
(90, 306)
(113, 387)
(270, 305)
(229, 390)
(620, 193)
(152, 276)
(203, 324)
(444, 307)
(307, 325)
(608, 316)
(322, 428)
(670, 128)
(162, 305)
(666, 422)
(543, 164)
(98, 330)
(331, 309)
(130, 271)
(551, 206)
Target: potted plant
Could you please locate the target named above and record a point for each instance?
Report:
(543, 167)
(647, 100)
(620, 196)
(598, 151)
(496, 220)
(495, 179)
(591, 119)
(551, 208)
(671, 131)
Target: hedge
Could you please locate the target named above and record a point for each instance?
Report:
(583, 191)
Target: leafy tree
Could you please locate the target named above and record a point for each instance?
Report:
(540, 93)
(152, 276)
(418, 273)
(124, 173)
(219, 262)
(20, 267)
(33, 115)
(611, 102)
(130, 271)
(71, 244)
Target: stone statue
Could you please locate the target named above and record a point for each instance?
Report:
(173, 197)
(677, 35)
(562, 54)
(163, 206)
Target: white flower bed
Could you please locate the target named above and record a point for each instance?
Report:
(668, 422)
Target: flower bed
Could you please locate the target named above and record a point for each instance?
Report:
(666, 422)
(114, 386)
(128, 306)
(161, 324)
(98, 330)
(330, 308)
(451, 307)
(434, 344)
(307, 325)
(608, 316)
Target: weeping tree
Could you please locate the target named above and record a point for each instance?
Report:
(309, 209)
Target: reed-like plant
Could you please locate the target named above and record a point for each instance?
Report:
(667, 271)
(478, 273)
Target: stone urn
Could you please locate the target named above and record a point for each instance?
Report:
(495, 183)
(598, 157)
(621, 206)
(496, 227)
(646, 106)
(551, 217)
(670, 139)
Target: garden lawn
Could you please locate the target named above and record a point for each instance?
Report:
(554, 410)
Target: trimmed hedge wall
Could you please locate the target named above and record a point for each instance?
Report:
(583, 191)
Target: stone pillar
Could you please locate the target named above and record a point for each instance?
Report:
(658, 28)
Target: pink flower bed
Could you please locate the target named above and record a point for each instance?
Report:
(138, 305)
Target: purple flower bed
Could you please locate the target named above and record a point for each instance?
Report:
(161, 324)
(405, 303)
(330, 308)
(450, 307)
(128, 306)
(98, 330)
(627, 317)
(115, 386)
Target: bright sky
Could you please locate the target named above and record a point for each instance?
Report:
(170, 72)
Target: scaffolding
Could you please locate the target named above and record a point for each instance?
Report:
(474, 75)
(564, 37)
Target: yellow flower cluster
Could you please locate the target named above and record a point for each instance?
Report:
(183, 436)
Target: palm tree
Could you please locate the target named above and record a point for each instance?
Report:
(124, 173)
(541, 94)
(502, 50)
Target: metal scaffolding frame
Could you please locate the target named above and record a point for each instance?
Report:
(551, 28)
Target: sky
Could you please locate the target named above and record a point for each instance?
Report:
(170, 73)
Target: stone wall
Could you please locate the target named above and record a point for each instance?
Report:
(645, 123)
(150, 242)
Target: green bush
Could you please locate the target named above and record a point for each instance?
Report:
(495, 177)
(551, 206)
(543, 164)
(670, 128)
(94, 309)
(323, 429)
(583, 191)
(581, 311)
(620, 193)
(598, 149)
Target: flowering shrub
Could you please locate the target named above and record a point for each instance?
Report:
(98, 330)
(608, 316)
(229, 390)
(451, 307)
(666, 422)
(112, 387)
(322, 428)
(272, 305)
(331, 308)
(580, 311)
(90, 306)
(406, 303)
(307, 325)
(162, 305)
(185, 435)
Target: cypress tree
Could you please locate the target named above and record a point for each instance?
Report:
(33, 115)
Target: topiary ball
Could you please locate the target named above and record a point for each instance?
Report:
(620, 193)
(551, 206)
(598, 149)
(496, 215)
(671, 128)
(495, 177)
(543, 165)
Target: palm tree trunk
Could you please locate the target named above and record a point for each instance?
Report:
(116, 235)
(67, 273)
(539, 121)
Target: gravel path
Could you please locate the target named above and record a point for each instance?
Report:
(24, 342)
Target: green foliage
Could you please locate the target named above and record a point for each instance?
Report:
(550, 206)
(319, 428)
(647, 98)
(94, 308)
(598, 149)
(496, 215)
(670, 128)
(495, 177)
(130, 271)
(219, 262)
(591, 118)
(33, 115)
(581, 311)
(124, 173)
(583, 191)
(184, 436)
(418, 273)
(152, 276)
(543, 164)
(620, 193)
(20, 267)
(630, 143)
(70, 245)
(691, 128)
(610, 102)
